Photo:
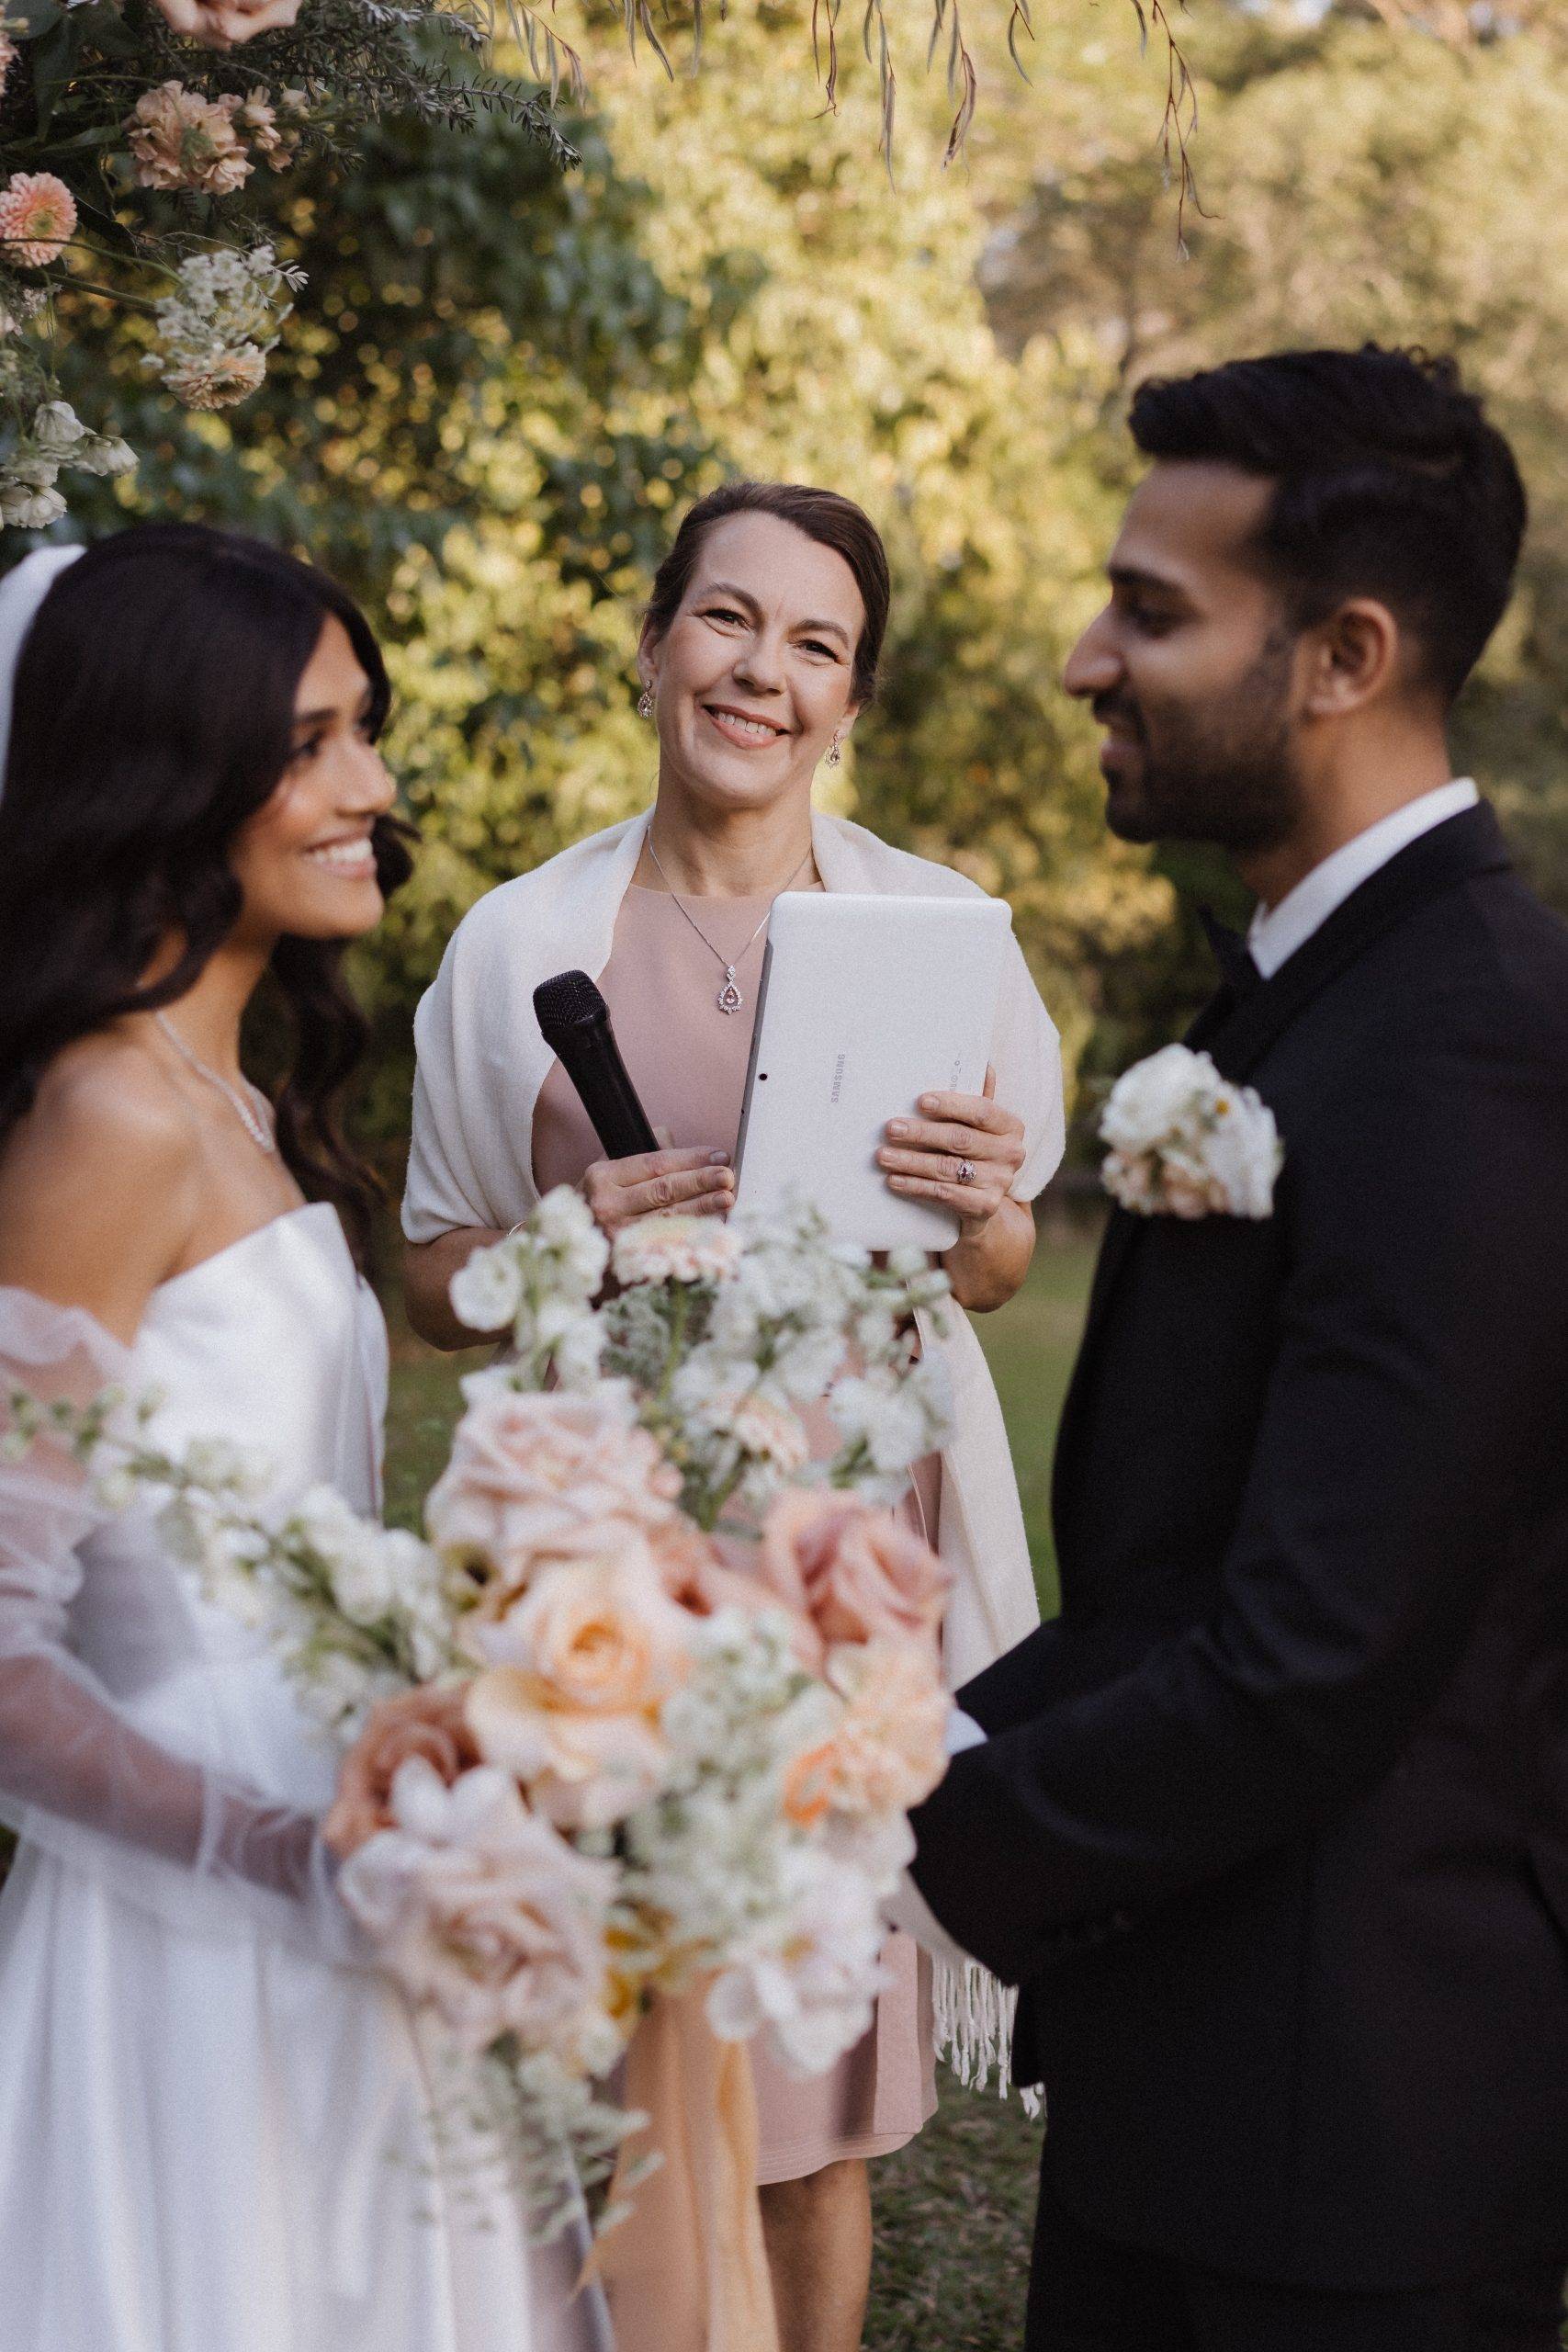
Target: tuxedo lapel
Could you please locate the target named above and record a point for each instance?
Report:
(1450, 853)
(1238, 1034)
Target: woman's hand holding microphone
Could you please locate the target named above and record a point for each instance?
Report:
(698, 1181)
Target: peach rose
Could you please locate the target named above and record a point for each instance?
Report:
(586, 1660)
(428, 1723)
(535, 1478)
(889, 1750)
(854, 1573)
(701, 1572)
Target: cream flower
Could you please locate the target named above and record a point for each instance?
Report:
(813, 1984)
(216, 379)
(7, 58)
(180, 139)
(855, 1574)
(588, 1657)
(535, 1478)
(38, 218)
(1186, 1143)
(674, 1249)
(483, 1910)
(888, 1750)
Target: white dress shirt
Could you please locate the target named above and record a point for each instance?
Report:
(1276, 932)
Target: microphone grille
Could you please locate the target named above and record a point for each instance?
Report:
(567, 1002)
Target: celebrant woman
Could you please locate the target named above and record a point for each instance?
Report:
(218, 2122)
(758, 652)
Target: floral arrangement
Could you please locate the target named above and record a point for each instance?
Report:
(642, 1715)
(144, 152)
(1185, 1142)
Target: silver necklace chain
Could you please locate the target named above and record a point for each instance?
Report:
(254, 1126)
(729, 998)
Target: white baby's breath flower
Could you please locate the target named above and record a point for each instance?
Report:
(487, 1291)
(814, 1984)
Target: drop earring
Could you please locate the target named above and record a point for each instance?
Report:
(644, 703)
(835, 753)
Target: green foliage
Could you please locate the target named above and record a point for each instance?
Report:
(503, 383)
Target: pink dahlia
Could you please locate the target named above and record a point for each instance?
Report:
(38, 215)
(181, 139)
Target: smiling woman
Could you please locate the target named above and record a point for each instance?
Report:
(759, 653)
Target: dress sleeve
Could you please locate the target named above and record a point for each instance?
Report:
(70, 1760)
(1026, 1054)
(451, 1145)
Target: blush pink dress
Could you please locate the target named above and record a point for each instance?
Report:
(687, 1061)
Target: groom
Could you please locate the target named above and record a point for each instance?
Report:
(1271, 1827)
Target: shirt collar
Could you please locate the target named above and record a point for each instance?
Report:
(1276, 932)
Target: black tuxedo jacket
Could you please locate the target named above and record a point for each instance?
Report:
(1272, 1823)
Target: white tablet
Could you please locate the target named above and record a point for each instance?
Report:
(865, 1004)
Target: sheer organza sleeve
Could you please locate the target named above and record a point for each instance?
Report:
(69, 1761)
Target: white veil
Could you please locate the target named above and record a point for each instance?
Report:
(22, 591)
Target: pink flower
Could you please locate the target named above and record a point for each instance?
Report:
(536, 1478)
(855, 1574)
(181, 139)
(888, 1751)
(38, 218)
(674, 1249)
(216, 379)
(484, 1911)
(427, 1723)
(585, 1661)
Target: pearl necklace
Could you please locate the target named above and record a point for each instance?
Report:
(258, 1132)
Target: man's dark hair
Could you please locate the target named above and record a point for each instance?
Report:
(1391, 484)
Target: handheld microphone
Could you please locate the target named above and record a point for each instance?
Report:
(574, 1020)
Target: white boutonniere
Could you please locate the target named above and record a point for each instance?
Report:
(1185, 1142)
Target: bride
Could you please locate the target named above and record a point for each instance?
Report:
(215, 2117)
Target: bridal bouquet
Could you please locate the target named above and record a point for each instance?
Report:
(642, 1715)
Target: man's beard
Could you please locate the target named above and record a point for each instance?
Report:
(1223, 772)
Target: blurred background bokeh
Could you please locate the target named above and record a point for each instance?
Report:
(507, 380)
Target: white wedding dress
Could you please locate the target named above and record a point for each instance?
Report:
(215, 2117)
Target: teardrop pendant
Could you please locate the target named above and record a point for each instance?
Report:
(729, 997)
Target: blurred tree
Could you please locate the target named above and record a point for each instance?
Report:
(1362, 179)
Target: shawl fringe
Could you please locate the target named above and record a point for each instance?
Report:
(974, 2028)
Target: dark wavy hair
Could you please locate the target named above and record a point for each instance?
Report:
(823, 516)
(153, 714)
(1390, 483)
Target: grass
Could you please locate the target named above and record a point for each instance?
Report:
(953, 2209)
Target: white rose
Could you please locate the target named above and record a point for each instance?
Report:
(487, 1291)
(1243, 1153)
(1155, 1099)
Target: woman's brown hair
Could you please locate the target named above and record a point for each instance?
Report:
(833, 522)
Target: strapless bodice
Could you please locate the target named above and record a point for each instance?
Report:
(276, 1344)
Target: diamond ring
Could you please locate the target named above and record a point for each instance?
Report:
(965, 1172)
